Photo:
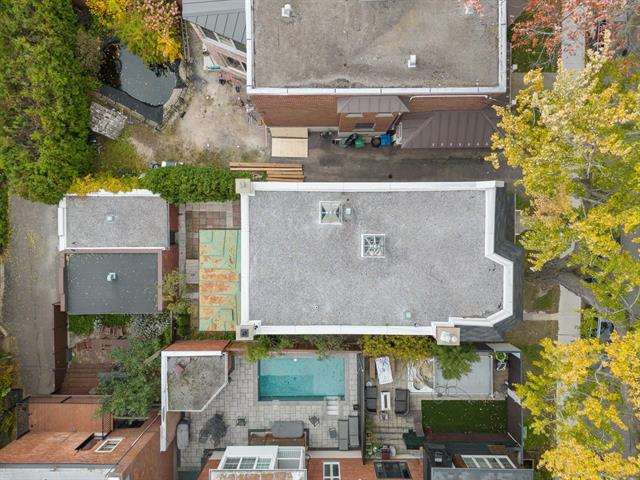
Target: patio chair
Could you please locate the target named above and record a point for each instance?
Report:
(401, 402)
(371, 399)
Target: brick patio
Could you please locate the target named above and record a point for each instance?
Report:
(239, 399)
(207, 216)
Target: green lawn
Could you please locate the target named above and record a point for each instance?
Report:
(463, 416)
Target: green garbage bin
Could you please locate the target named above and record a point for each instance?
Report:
(359, 142)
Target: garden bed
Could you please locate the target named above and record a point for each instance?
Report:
(465, 416)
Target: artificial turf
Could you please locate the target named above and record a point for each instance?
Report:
(465, 416)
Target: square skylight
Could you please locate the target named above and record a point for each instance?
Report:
(373, 245)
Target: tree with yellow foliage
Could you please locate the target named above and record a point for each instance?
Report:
(588, 394)
(149, 28)
(578, 145)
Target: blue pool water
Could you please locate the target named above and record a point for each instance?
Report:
(300, 378)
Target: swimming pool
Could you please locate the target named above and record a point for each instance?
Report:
(300, 378)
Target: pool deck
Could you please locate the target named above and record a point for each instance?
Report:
(239, 399)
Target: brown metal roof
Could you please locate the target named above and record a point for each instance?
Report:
(449, 129)
(372, 104)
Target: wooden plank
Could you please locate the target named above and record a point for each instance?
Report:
(289, 132)
(290, 147)
(264, 164)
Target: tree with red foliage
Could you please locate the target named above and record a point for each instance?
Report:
(542, 21)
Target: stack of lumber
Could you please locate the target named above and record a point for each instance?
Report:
(276, 172)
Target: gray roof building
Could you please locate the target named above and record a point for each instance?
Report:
(379, 258)
(112, 283)
(406, 47)
(224, 17)
(113, 221)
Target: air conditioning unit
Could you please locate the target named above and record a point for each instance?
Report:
(449, 336)
(286, 11)
(244, 333)
(412, 62)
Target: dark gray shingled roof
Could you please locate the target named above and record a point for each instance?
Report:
(505, 246)
(224, 17)
(135, 289)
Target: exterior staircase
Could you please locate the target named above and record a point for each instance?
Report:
(82, 378)
(333, 406)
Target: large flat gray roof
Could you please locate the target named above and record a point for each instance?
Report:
(366, 44)
(302, 272)
(134, 290)
(116, 222)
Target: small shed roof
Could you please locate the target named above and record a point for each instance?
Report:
(449, 129)
(133, 290)
(224, 17)
(372, 104)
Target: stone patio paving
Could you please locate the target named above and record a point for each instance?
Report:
(239, 399)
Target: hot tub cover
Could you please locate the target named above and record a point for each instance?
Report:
(293, 429)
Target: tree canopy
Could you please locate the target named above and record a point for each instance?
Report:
(44, 108)
(578, 145)
(588, 393)
(541, 24)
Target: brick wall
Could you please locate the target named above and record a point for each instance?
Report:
(321, 110)
(298, 110)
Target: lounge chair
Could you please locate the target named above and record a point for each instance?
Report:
(402, 402)
(343, 434)
(371, 400)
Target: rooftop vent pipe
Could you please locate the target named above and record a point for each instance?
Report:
(412, 62)
(111, 276)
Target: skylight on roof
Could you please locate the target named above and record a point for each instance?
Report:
(331, 213)
(372, 245)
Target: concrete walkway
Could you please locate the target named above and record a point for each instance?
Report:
(31, 276)
(567, 316)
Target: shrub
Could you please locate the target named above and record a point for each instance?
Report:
(149, 28)
(89, 51)
(186, 183)
(454, 362)
(84, 325)
(91, 183)
(4, 215)
(403, 347)
(173, 289)
(148, 325)
(44, 119)
(267, 345)
(325, 344)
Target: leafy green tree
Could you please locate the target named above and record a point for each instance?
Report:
(133, 394)
(578, 145)
(44, 108)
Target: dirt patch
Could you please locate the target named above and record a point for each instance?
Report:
(212, 119)
(539, 300)
(530, 332)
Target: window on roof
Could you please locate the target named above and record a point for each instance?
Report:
(384, 115)
(392, 470)
(109, 445)
(246, 463)
(368, 126)
(488, 461)
(354, 115)
(331, 471)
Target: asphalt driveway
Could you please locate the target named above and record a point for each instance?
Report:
(31, 290)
